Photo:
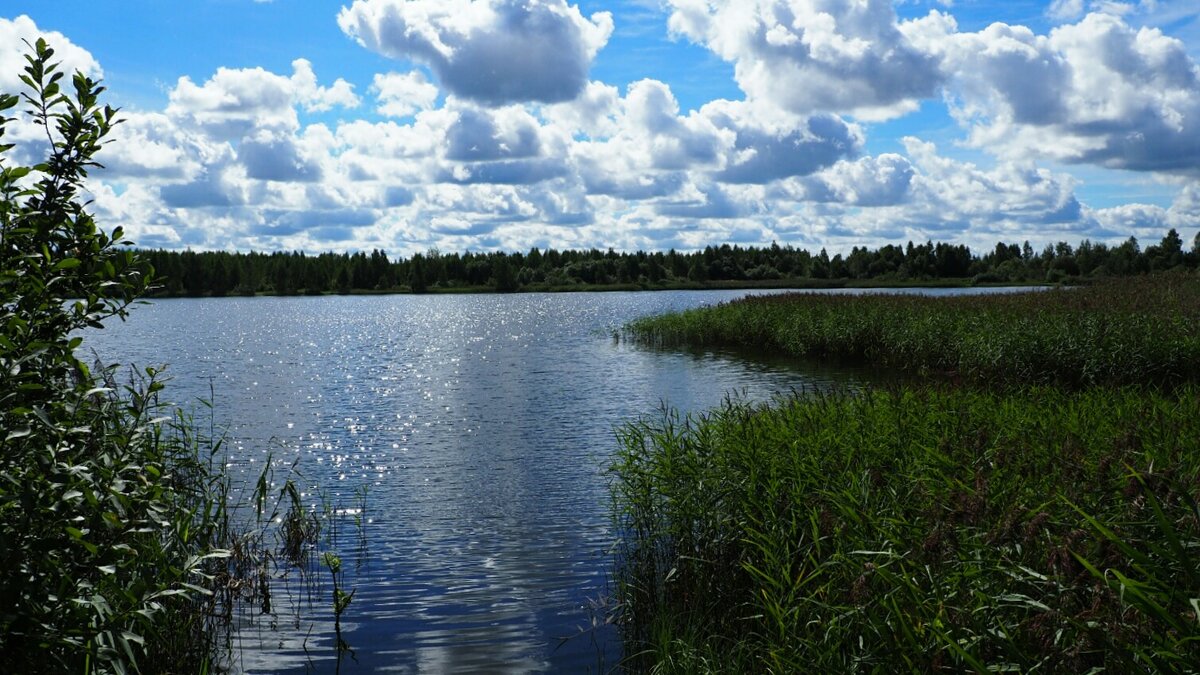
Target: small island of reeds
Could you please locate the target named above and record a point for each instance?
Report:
(1024, 501)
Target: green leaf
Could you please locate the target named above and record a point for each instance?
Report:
(17, 172)
(18, 433)
(68, 263)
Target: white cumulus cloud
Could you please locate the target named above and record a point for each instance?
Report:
(1096, 92)
(235, 101)
(402, 95)
(13, 35)
(479, 151)
(490, 51)
(814, 55)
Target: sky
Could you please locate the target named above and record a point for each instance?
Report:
(478, 125)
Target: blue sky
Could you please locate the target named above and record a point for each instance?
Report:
(504, 124)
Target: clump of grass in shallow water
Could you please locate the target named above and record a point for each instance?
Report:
(1125, 331)
(921, 530)
(306, 530)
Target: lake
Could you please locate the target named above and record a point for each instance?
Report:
(481, 426)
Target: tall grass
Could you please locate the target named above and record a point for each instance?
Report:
(924, 531)
(1138, 330)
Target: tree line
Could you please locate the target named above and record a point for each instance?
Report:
(219, 273)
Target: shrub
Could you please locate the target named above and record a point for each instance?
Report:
(108, 511)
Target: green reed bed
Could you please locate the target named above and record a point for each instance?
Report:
(1115, 332)
(932, 530)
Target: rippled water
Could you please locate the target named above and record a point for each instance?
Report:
(481, 424)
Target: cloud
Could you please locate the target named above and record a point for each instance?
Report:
(923, 195)
(335, 222)
(473, 203)
(1072, 10)
(268, 156)
(562, 203)
(316, 98)
(389, 140)
(1136, 220)
(152, 146)
(494, 52)
(1013, 195)
(214, 187)
(397, 195)
(593, 113)
(233, 102)
(241, 126)
(713, 202)
(479, 135)
(621, 176)
(233, 161)
(461, 228)
(643, 147)
(651, 147)
(404, 95)
(511, 172)
(1065, 10)
(502, 146)
(883, 180)
(794, 146)
(652, 121)
(13, 33)
(1186, 207)
(811, 56)
(1095, 92)
(30, 140)
(1149, 222)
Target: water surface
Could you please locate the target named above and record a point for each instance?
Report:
(481, 426)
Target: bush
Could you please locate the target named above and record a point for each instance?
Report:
(108, 511)
(989, 278)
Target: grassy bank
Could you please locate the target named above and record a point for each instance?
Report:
(922, 531)
(1135, 330)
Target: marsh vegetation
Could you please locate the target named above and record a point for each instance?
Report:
(1026, 502)
(1141, 330)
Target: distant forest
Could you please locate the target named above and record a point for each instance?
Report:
(217, 273)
